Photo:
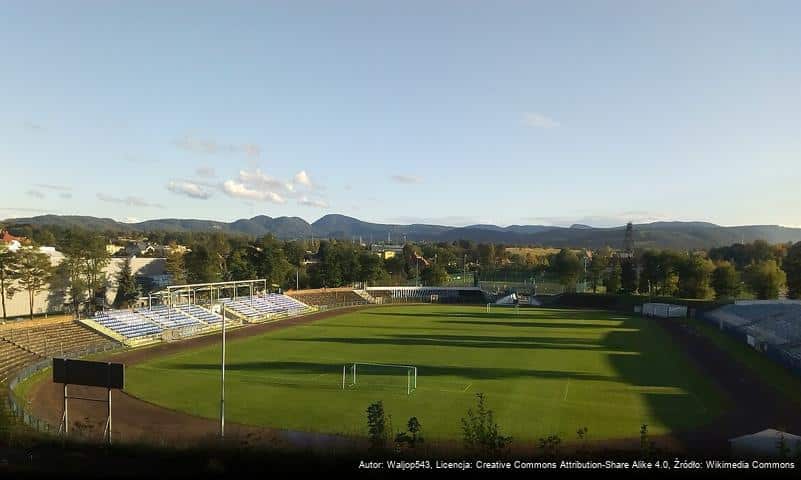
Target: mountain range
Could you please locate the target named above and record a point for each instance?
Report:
(675, 235)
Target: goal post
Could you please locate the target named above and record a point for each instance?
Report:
(379, 375)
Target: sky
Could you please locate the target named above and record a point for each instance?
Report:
(447, 112)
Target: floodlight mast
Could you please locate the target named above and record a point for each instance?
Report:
(222, 378)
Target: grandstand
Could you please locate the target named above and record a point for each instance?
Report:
(29, 342)
(770, 326)
(255, 308)
(149, 323)
(128, 324)
(329, 297)
(428, 294)
(167, 317)
(201, 314)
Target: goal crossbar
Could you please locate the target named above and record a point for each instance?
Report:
(411, 373)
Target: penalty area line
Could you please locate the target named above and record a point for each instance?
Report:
(567, 388)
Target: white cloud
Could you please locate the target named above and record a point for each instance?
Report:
(260, 180)
(257, 185)
(129, 201)
(302, 178)
(538, 120)
(307, 202)
(35, 194)
(65, 195)
(240, 190)
(190, 189)
(211, 147)
(407, 179)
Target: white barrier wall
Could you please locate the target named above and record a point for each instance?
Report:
(663, 310)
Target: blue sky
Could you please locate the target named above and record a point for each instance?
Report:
(451, 112)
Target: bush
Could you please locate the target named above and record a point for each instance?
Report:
(480, 431)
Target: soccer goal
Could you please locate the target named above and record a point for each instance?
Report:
(379, 375)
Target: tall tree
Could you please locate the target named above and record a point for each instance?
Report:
(174, 263)
(792, 267)
(695, 274)
(765, 279)
(486, 256)
(567, 267)
(69, 279)
(202, 266)
(612, 276)
(371, 267)
(726, 280)
(96, 259)
(434, 275)
(127, 288)
(598, 265)
(8, 273)
(241, 263)
(628, 275)
(271, 262)
(34, 271)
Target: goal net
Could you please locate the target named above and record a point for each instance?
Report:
(379, 376)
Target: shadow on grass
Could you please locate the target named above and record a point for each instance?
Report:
(574, 317)
(566, 324)
(313, 368)
(470, 341)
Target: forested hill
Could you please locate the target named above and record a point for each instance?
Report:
(674, 235)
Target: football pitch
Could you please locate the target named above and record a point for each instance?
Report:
(543, 371)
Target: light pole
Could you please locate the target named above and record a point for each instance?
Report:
(222, 378)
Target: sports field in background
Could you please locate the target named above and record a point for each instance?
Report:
(543, 371)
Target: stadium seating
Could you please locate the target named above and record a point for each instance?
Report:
(201, 314)
(167, 317)
(55, 339)
(328, 298)
(24, 345)
(260, 307)
(773, 327)
(777, 323)
(127, 323)
(12, 358)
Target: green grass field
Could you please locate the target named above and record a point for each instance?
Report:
(544, 371)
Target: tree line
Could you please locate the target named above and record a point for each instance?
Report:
(757, 269)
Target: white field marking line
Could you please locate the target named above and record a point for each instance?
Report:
(468, 386)
(567, 387)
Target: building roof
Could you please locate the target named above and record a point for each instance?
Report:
(6, 237)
